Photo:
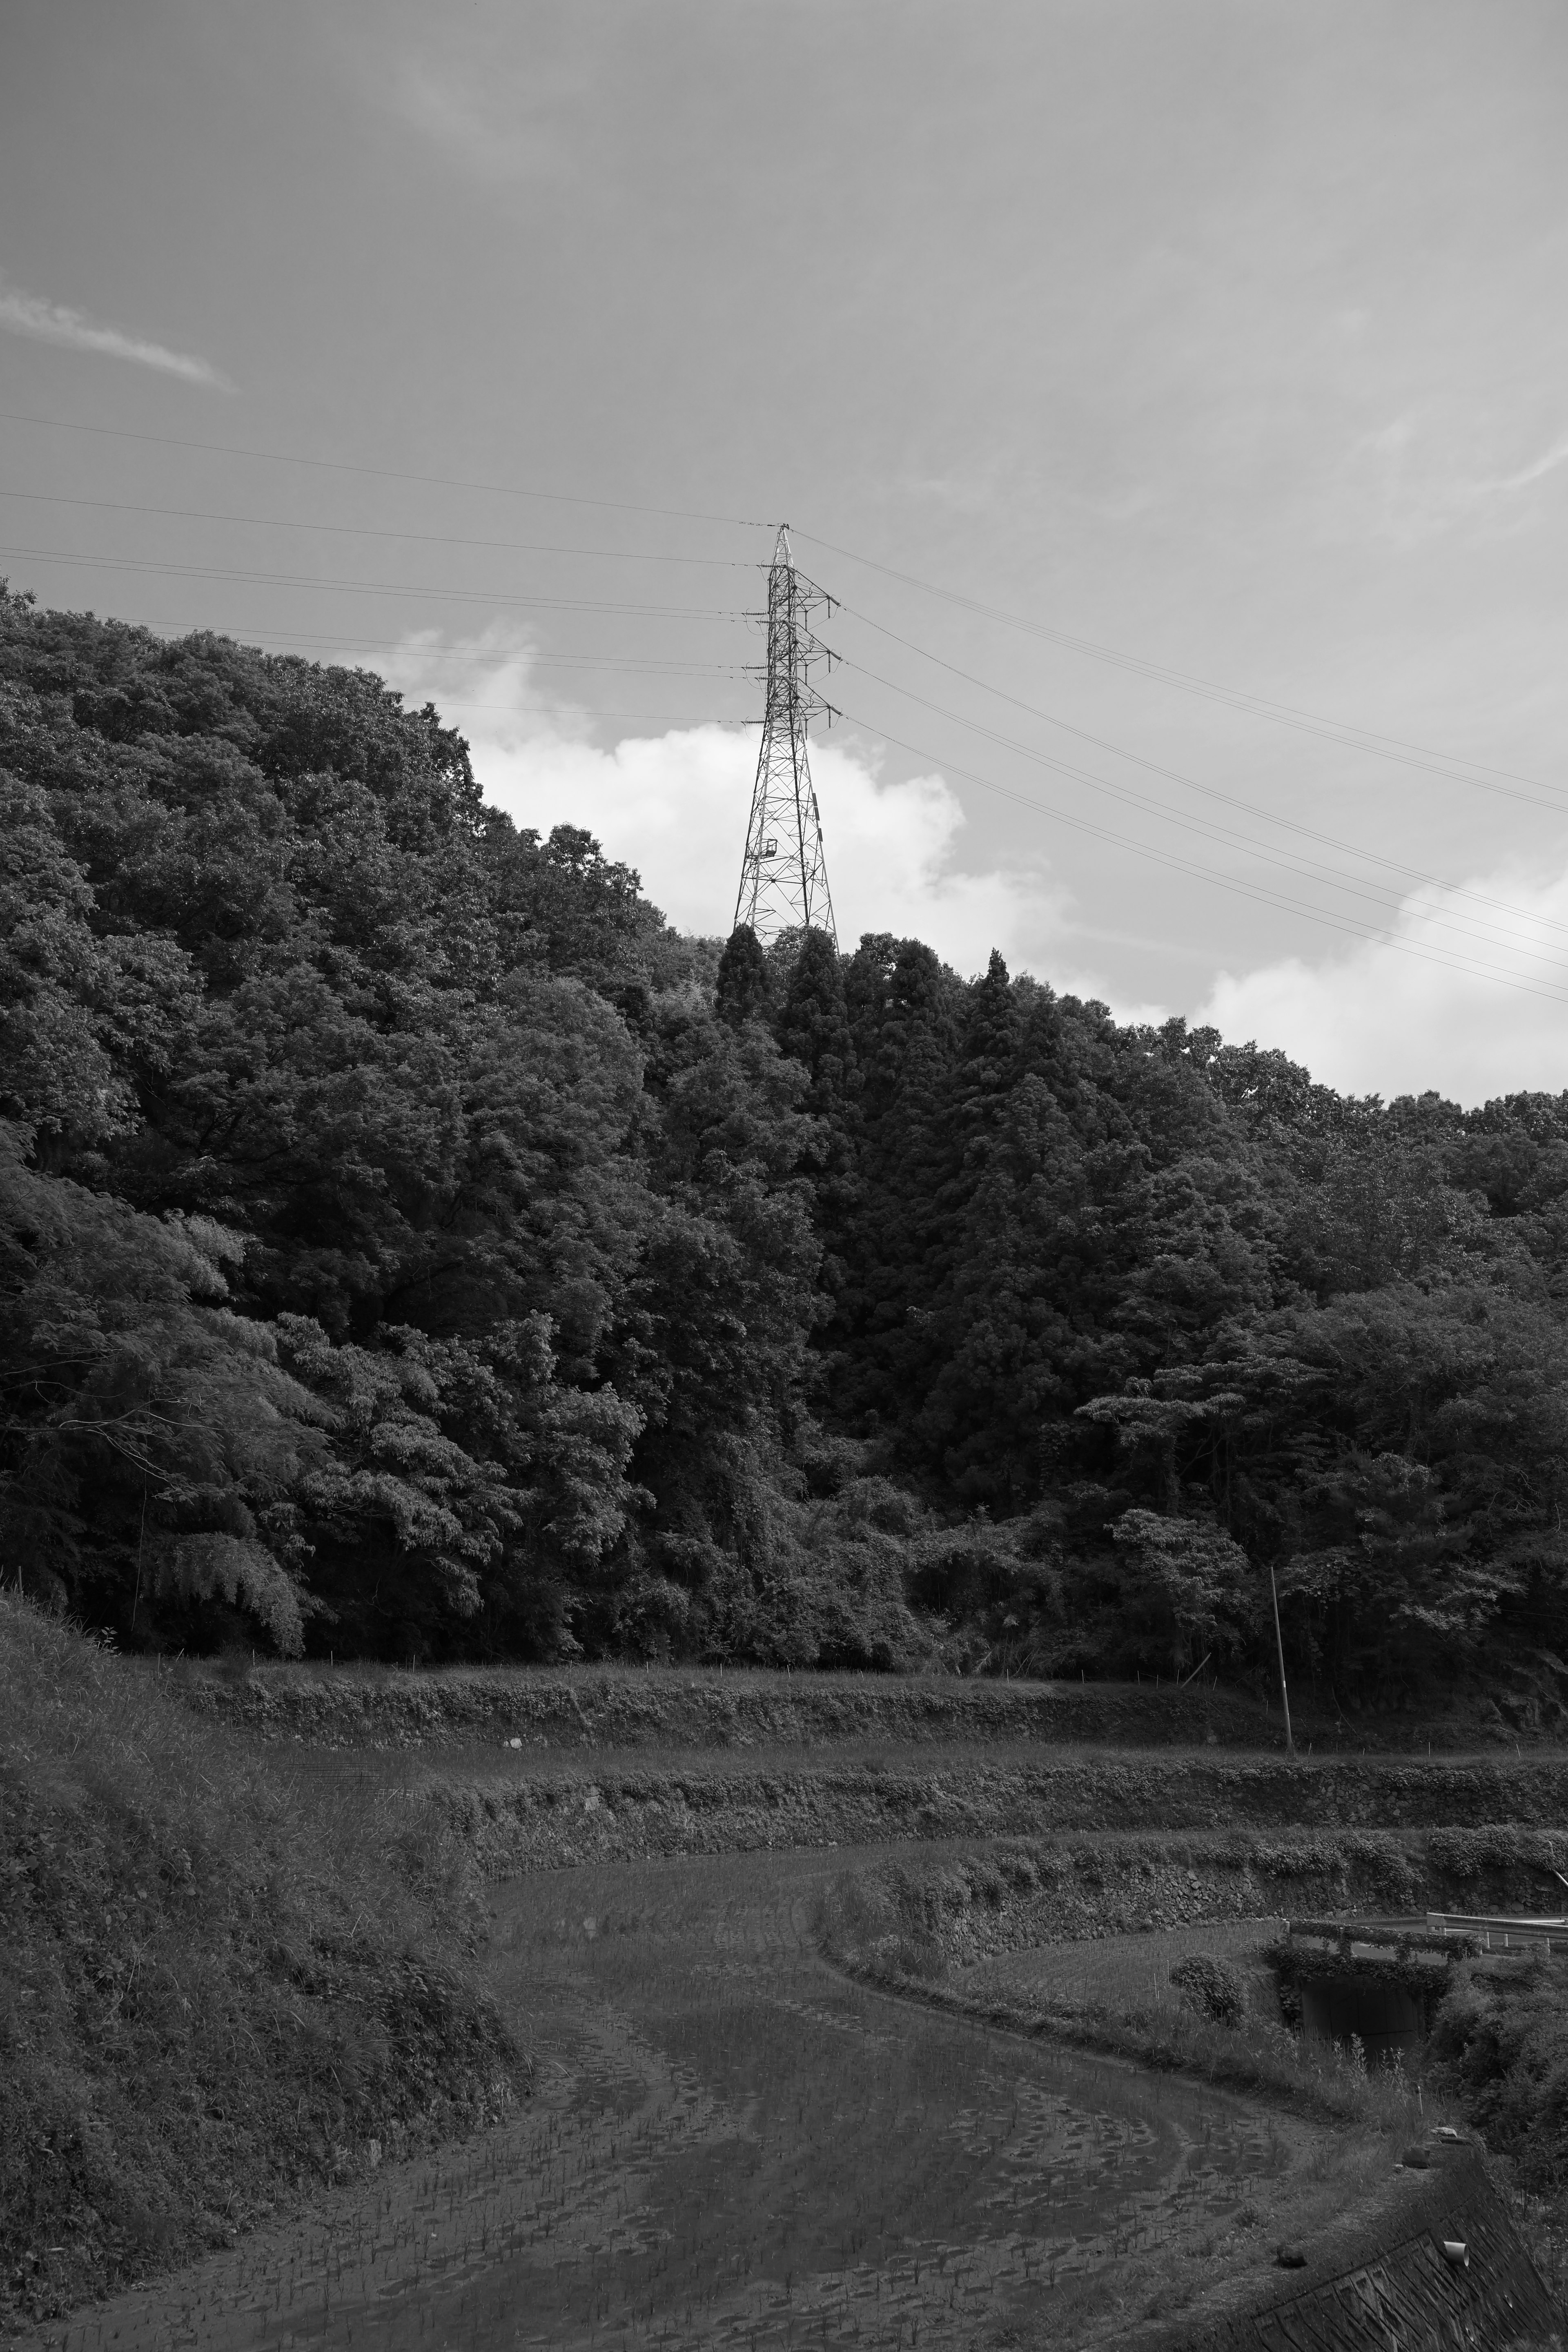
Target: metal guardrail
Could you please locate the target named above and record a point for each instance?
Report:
(1369, 1939)
(1499, 1934)
(1445, 1934)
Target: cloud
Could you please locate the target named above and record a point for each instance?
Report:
(1385, 1020)
(53, 322)
(496, 125)
(1421, 484)
(1546, 464)
(675, 805)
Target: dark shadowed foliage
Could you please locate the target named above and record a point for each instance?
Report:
(410, 1246)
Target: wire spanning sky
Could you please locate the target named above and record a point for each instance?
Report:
(1224, 340)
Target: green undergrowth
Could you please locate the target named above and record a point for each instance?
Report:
(1500, 2036)
(215, 1992)
(691, 1705)
(703, 1707)
(908, 1932)
(1284, 1820)
(929, 1916)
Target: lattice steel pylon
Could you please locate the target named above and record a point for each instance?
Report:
(784, 873)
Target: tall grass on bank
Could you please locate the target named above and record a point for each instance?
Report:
(215, 1991)
(881, 1930)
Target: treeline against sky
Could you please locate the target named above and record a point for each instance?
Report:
(409, 1246)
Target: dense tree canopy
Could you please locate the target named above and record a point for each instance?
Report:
(409, 1245)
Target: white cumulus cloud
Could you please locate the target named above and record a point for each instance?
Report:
(54, 322)
(1401, 1015)
(675, 805)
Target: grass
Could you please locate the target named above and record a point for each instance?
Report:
(920, 1931)
(728, 2143)
(215, 1995)
(1128, 1973)
(663, 1705)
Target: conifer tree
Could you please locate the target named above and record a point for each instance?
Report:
(742, 992)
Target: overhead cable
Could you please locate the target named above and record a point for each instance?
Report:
(375, 587)
(1261, 896)
(1362, 739)
(381, 473)
(365, 531)
(1373, 892)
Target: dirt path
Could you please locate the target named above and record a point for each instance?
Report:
(731, 2147)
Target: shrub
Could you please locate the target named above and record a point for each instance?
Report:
(1213, 1987)
(1504, 2048)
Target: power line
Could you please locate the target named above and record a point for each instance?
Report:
(576, 710)
(1285, 714)
(373, 587)
(623, 607)
(363, 531)
(380, 473)
(1085, 735)
(1135, 799)
(1373, 891)
(526, 709)
(1265, 896)
(955, 670)
(1361, 738)
(442, 657)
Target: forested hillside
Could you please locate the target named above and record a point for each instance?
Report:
(411, 1247)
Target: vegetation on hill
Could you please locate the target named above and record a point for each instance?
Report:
(214, 1993)
(409, 1246)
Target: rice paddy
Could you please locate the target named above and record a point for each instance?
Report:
(731, 2145)
(1127, 1973)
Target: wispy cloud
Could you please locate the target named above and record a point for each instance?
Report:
(1422, 486)
(1555, 457)
(55, 322)
(496, 125)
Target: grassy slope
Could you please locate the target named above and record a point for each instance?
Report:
(690, 1707)
(214, 1993)
(224, 1989)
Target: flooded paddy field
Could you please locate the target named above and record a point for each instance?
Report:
(730, 2145)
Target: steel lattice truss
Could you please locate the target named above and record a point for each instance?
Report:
(783, 875)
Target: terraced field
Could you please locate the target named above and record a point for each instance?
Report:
(733, 2142)
(731, 2145)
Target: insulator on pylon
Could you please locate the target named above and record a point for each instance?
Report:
(788, 891)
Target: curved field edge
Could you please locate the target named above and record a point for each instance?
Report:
(929, 1913)
(237, 1981)
(215, 1994)
(940, 1932)
(535, 1816)
(1348, 2197)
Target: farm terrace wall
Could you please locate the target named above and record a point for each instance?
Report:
(1379, 2280)
(698, 1706)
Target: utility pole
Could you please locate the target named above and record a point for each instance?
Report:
(1279, 1646)
(784, 873)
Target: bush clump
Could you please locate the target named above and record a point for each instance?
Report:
(215, 1994)
(1215, 1988)
(1503, 2046)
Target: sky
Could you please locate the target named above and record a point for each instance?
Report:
(1174, 393)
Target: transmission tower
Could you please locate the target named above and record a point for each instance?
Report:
(784, 873)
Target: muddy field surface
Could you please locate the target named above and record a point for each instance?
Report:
(729, 2144)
